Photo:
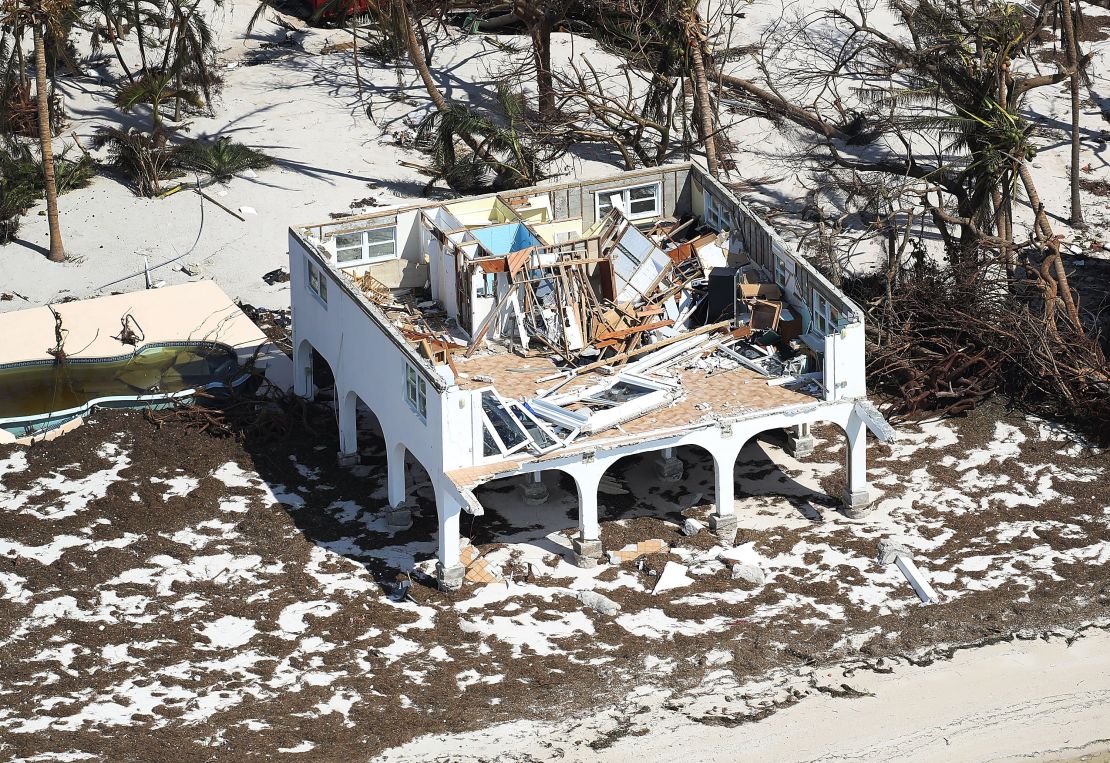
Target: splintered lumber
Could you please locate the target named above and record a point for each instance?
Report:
(658, 345)
(624, 333)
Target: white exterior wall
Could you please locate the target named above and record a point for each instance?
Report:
(366, 360)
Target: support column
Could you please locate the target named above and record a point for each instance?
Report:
(723, 519)
(395, 473)
(449, 570)
(399, 513)
(670, 468)
(302, 370)
(348, 429)
(587, 546)
(857, 497)
(535, 492)
(799, 441)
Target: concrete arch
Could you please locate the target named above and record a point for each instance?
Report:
(398, 471)
(302, 369)
(356, 418)
(856, 496)
(670, 465)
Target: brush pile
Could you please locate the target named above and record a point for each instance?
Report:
(940, 344)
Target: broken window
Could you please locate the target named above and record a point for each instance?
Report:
(636, 203)
(621, 392)
(510, 426)
(600, 407)
(542, 438)
(506, 431)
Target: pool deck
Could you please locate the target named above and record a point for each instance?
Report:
(92, 328)
(193, 312)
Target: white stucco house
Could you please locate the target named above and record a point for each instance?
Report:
(563, 327)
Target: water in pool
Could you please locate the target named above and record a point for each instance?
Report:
(45, 387)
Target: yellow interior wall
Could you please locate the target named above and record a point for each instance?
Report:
(475, 212)
(547, 231)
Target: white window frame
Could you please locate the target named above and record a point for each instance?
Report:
(416, 391)
(491, 430)
(820, 311)
(367, 258)
(626, 201)
(718, 214)
(781, 272)
(316, 280)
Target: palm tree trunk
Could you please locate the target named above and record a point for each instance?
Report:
(113, 37)
(416, 55)
(46, 143)
(541, 43)
(701, 87)
(1070, 38)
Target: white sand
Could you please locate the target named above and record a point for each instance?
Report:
(304, 109)
(1026, 700)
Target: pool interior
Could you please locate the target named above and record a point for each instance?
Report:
(35, 390)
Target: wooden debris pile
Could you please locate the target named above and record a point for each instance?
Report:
(944, 344)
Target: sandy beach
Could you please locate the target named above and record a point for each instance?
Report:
(165, 594)
(1035, 699)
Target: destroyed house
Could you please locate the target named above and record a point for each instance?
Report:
(563, 327)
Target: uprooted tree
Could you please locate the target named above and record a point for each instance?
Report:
(923, 119)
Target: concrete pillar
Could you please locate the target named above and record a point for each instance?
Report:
(799, 441)
(857, 496)
(535, 492)
(670, 468)
(302, 370)
(723, 519)
(449, 570)
(587, 546)
(395, 473)
(348, 429)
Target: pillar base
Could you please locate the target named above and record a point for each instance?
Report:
(347, 459)
(399, 517)
(587, 553)
(449, 578)
(857, 503)
(670, 469)
(800, 447)
(724, 525)
(535, 494)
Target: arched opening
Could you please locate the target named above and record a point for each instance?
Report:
(419, 490)
(644, 485)
(314, 378)
(772, 485)
(369, 438)
(508, 518)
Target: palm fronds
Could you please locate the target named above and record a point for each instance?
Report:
(221, 159)
(140, 157)
(22, 182)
